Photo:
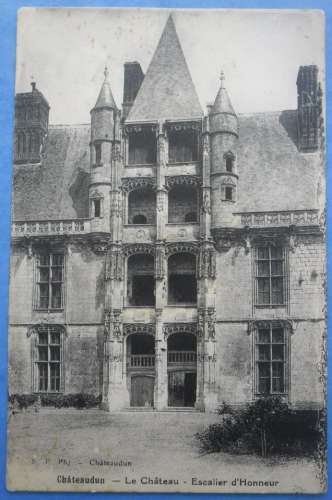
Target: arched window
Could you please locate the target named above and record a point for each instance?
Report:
(182, 281)
(139, 219)
(142, 206)
(182, 202)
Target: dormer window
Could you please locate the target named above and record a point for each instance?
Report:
(98, 153)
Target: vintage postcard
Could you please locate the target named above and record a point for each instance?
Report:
(167, 285)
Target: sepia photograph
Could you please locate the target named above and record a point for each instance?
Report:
(167, 312)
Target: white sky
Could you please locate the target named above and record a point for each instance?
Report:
(65, 50)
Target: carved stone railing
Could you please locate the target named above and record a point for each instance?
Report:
(141, 361)
(54, 227)
(284, 218)
(181, 357)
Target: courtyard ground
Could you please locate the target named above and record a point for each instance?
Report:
(131, 449)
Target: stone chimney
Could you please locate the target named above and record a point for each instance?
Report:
(133, 77)
(308, 108)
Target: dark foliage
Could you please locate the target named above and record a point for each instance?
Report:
(266, 427)
(80, 401)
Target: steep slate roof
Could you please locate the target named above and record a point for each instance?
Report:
(58, 188)
(273, 175)
(105, 98)
(167, 91)
(222, 103)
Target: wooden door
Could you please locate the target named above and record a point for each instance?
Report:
(181, 388)
(142, 388)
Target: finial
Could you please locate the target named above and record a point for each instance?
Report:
(106, 73)
(222, 78)
(33, 83)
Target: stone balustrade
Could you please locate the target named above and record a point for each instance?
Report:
(284, 218)
(54, 227)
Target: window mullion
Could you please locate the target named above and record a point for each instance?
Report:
(50, 281)
(48, 359)
(271, 372)
(270, 279)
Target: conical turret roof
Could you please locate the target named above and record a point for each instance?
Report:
(222, 103)
(105, 98)
(167, 91)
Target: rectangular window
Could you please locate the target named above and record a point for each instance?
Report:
(97, 208)
(182, 146)
(228, 193)
(98, 153)
(142, 148)
(271, 358)
(270, 276)
(50, 274)
(48, 359)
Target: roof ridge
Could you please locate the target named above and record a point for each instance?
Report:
(272, 112)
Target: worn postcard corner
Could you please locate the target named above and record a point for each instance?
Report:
(167, 282)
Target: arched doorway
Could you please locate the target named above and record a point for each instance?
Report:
(140, 369)
(182, 369)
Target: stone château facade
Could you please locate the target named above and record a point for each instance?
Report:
(163, 257)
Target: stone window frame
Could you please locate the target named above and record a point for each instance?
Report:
(230, 156)
(284, 275)
(131, 250)
(172, 126)
(98, 152)
(140, 128)
(228, 182)
(178, 249)
(184, 180)
(96, 196)
(36, 348)
(38, 281)
(271, 325)
(130, 184)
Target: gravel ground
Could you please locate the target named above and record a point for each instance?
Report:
(126, 447)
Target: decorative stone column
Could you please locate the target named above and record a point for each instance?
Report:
(115, 393)
(205, 221)
(161, 383)
(207, 397)
(206, 366)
